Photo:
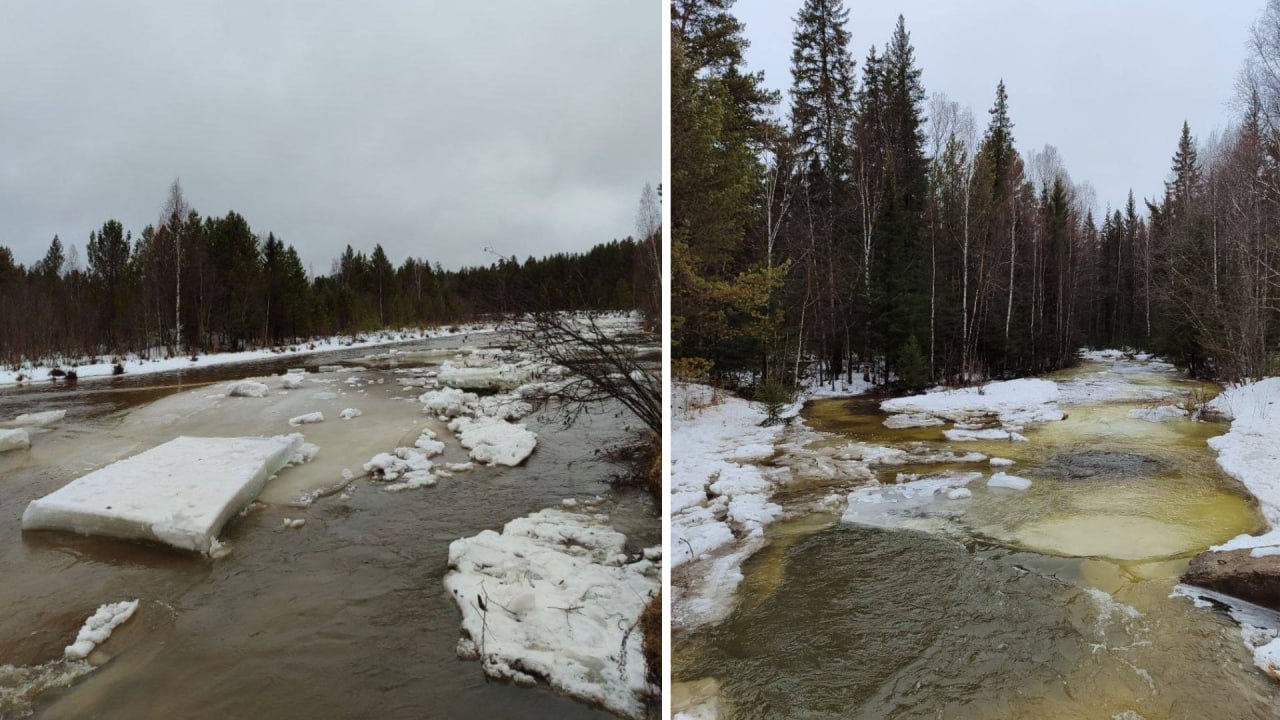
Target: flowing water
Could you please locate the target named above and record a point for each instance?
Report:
(345, 617)
(1051, 602)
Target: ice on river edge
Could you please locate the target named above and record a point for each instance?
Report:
(555, 598)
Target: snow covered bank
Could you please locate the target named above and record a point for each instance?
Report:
(1015, 403)
(1250, 451)
(179, 493)
(719, 498)
(88, 368)
(555, 598)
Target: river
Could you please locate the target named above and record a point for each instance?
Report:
(1049, 602)
(345, 617)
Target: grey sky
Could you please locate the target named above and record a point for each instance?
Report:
(1108, 82)
(435, 128)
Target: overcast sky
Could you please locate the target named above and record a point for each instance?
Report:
(434, 128)
(1108, 82)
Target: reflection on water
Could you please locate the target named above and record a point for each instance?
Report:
(346, 617)
(1048, 602)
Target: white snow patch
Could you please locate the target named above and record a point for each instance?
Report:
(1011, 482)
(99, 627)
(447, 402)
(1013, 402)
(494, 441)
(513, 587)
(248, 388)
(179, 493)
(910, 420)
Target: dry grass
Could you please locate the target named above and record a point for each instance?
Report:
(651, 624)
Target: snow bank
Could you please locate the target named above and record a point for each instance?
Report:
(494, 441)
(554, 598)
(310, 418)
(1014, 402)
(248, 388)
(99, 627)
(14, 440)
(1250, 451)
(180, 493)
(91, 368)
(37, 419)
(719, 498)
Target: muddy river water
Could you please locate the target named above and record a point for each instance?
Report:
(1051, 602)
(345, 617)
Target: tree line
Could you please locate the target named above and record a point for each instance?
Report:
(882, 232)
(192, 284)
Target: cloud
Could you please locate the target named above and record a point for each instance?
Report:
(434, 128)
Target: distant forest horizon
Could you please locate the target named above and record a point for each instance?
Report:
(196, 284)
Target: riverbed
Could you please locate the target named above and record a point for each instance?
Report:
(343, 617)
(1053, 601)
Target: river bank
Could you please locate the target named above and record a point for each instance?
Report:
(1080, 499)
(330, 598)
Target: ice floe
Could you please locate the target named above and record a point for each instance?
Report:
(494, 441)
(180, 493)
(554, 598)
(248, 388)
(99, 627)
(15, 439)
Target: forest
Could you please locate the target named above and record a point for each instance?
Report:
(871, 229)
(201, 284)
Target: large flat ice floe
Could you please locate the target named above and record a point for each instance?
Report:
(1016, 403)
(555, 598)
(180, 493)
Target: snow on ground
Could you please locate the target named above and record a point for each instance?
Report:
(99, 626)
(1015, 403)
(1250, 451)
(555, 598)
(494, 441)
(838, 387)
(179, 493)
(719, 499)
(16, 439)
(87, 368)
